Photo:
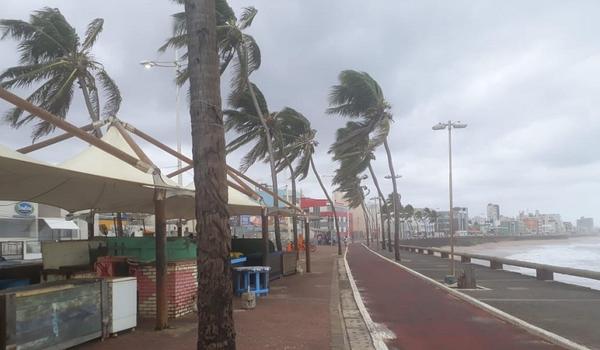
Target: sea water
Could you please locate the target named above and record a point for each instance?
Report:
(579, 253)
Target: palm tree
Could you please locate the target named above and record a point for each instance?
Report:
(305, 145)
(407, 213)
(53, 55)
(354, 195)
(358, 96)
(355, 158)
(285, 127)
(215, 310)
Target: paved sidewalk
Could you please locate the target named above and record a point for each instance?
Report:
(300, 312)
(425, 317)
(570, 311)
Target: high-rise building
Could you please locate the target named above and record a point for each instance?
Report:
(585, 225)
(461, 218)
(493, 213)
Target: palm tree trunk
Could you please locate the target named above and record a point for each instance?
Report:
(366, 215)
(215, 293)
(382, 200)
(88, 104)
(335, 218)
(294, 217)
(396, 198)
(271, 162)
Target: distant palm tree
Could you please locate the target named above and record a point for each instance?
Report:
(355, 158)
(359, 96)
(407, 212)
(244, 120)
(305, 145)
(355, 196)
(53, 54)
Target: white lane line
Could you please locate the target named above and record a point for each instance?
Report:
(378, 331)
(535, 330)
(540, 300)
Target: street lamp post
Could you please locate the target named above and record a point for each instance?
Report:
(441, 126)
(177, 64)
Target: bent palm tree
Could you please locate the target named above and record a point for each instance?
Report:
(284, 127)
(358, 96)
(305, 146)
(53, 54)
(355, 157)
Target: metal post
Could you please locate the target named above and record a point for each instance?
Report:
(264, 221)
(307, 243)
(160, 237)
(451, 213)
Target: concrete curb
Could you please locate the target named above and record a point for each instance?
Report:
(377, 336)
(537, 331)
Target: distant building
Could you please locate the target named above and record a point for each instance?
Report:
(325, 225)
(461, 220)
(585, 225)
(569, 227)
(531, 224)
(493, 213)
(510, 226)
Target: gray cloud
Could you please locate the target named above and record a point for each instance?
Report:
(522, 74)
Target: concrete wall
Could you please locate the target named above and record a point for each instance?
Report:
(469, 241)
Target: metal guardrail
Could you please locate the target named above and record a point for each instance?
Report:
(543, 272)
(12, 250)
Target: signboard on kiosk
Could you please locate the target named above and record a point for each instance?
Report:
(24, 209)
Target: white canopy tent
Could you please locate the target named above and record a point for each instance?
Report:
(94, 179)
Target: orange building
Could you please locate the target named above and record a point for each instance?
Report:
(532, 224)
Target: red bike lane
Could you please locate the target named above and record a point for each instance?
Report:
(423, 316)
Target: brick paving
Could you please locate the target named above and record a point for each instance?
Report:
(300, 312)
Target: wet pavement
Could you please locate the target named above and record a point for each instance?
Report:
(423, 316)
(570, 311)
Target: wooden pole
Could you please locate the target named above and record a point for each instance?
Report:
(72, 129)
(53, 140)
(307, 243)
(243, 176)
(160, 237)
(157, 143)
(180, 171)
(134, 146)
(90, 225)
(264, 219)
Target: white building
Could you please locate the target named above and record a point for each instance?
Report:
(493, 213)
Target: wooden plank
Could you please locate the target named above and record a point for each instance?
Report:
(53, 140)
(72, 129)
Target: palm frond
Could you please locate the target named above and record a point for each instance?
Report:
(248, 14)
(91, 34)
(111, 92)
(24, 76)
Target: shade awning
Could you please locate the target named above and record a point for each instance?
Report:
(94, 179)
(60, 224)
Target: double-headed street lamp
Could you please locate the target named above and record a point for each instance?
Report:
(177, 64)
(441, 126)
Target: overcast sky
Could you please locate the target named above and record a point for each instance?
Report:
(523, 74)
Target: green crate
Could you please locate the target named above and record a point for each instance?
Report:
(143, 248)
